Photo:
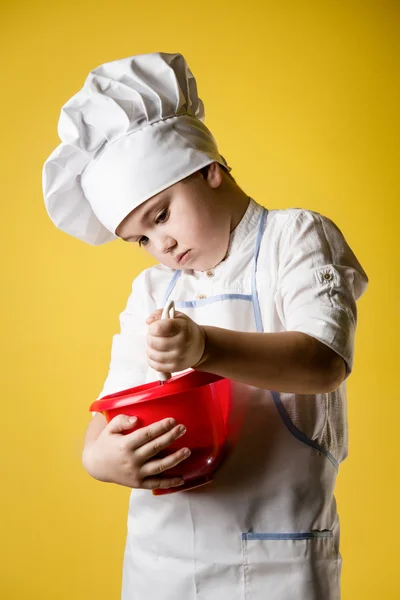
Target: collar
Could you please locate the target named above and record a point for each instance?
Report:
(244, 228)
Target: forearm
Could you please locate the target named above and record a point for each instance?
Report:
(289, 361)
(95, 427)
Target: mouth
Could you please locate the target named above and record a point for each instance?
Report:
(182, 258)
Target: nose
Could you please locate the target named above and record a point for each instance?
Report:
(165, 244)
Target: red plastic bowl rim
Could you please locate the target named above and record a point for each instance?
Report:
(186, 381)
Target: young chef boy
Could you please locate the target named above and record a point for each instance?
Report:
(265, 297)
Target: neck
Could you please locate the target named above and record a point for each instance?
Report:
(238, 204)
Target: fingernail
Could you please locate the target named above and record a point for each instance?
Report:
(132, 419)
(186, 452)
(181, 482)
(181, 430)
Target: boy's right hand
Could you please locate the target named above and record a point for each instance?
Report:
(125, 459)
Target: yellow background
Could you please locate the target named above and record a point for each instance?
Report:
(303, 99)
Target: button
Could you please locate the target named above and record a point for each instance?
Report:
(210, 273)
(328, 276)
(202, 296)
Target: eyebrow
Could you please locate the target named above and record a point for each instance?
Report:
(145, 217)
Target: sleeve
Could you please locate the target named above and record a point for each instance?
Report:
(128, 365)
(319, 282)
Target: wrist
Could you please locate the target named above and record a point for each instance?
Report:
(203, 356)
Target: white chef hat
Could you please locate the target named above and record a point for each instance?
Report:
(134, 129)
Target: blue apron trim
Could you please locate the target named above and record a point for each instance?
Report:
(256, 303)
(299, 434)
(194, 303)
(171, 286)
(309, 535)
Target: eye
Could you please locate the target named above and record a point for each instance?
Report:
(162, 217)
(143, 241)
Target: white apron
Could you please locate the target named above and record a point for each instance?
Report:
(266, 528)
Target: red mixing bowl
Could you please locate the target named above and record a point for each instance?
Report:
(200, 401)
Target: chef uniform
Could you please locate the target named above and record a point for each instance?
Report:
(267, 526)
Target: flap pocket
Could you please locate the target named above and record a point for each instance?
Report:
(291, 566)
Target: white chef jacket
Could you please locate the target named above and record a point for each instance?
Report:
(267, 525)
(308, 279)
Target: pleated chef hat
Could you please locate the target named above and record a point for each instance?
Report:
(134, 129)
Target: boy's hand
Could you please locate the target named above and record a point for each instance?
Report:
(130, 458)
(174, 344)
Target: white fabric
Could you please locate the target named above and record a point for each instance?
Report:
(298, 246)
(226, 540)
(134, 129)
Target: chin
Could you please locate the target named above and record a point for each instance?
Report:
(206, 267)
(206, 264)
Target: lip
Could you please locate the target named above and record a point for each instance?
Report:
(183, 258)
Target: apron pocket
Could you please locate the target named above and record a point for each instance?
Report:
(291, 566)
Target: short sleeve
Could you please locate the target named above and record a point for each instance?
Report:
(128, 365)
(319, 282)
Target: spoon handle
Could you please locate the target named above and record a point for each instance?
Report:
(168, 313)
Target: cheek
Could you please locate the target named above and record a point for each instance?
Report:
(208, 228)
(202, 229)
(158, 256)
(213, 243)
(217, 234)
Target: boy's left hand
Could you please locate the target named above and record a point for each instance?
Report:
(174, 344)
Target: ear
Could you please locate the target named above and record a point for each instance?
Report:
(214, 175)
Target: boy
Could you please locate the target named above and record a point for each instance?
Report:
(265, 297)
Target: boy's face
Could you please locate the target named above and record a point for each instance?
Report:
(186, 226)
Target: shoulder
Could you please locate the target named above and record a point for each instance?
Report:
(302, 226)
(295, 233)
(281, 223)
(282, 220)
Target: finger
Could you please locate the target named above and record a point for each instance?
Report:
(156, 483)
(121, 423)
(154, 316)
(164, 357)
(147, 451)
(158, 466)
(146, 434)
(163, 366)
(180, 315)
(157, 314)
(162, 344)
(165, 327)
